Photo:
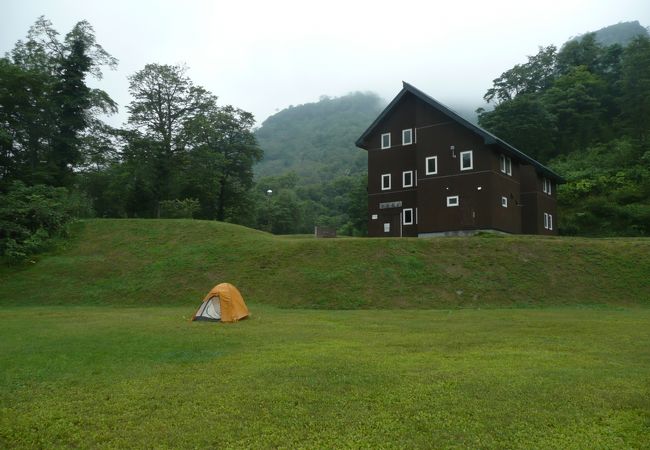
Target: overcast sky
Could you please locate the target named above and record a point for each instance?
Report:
(263, 56)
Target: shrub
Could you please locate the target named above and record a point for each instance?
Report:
(31, 215)
(179, 209)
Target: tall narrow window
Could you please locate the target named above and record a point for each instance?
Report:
(385, 182)
(508, 165)
(502, 160)
(550, 222)
(387, 228)
(407, 178)
(385, 140)
(504, 202)
(452, 200)
(407, 136)
(546, 221)
(407, 216)
(432, 165)
(466, 160)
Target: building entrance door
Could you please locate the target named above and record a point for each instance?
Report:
(392, 222)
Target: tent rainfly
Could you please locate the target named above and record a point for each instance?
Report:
(223, 303)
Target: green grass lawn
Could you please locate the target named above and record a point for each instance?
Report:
(482, 342)
(96, 376)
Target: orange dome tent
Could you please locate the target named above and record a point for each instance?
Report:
(223, 303)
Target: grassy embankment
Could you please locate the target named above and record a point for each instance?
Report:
(146, 262)
(557, 373)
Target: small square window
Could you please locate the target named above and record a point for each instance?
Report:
(374, 217)
(407, 216)
(385, 140)
(407, 178)
(387, 228)
(452, 200)
(407, 136)
(432, 165)
(385, 182)
(504, 202)
(466, 160)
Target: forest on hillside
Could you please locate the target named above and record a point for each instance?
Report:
(583, 109)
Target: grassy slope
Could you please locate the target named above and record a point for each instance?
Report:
(175, 262)
(94, 377)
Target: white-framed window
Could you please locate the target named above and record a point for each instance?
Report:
(504, 202)
(407, 216)
(502, 161)
(467, 160)
(546, 221)
(407, 136)
(385, 140)
(508, 165)
(550, 222)
(385, 182)
(452, 200)
(387, 227)
(407, 178)
(431, 164)
(375, 217)
(546, 186)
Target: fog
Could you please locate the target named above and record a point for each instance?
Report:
(264, 56)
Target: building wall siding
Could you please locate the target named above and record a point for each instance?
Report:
(480, 189)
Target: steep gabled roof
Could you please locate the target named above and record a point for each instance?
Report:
(488, 137)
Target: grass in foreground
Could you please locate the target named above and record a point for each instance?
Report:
(145, 377)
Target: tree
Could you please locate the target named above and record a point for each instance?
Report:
(576, 102)
(26, 124)
(583, 52)
(223, 140)
(194, 148)
(164, 100)
(46, 105)
(524, 122)
(635, 83)
(534, 76)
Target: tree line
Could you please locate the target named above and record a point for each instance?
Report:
(180, 153)
(585, 111)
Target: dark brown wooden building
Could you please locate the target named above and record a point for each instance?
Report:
(431, 172)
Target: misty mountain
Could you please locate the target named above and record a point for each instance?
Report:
(316, 140)
(621, 33)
